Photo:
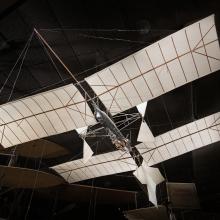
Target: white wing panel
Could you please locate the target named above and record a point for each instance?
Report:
(154, 83)
(189, 67)
(143, 88)
(19, 133)
(131, 67)
(167, 49)
(165, 78)
(48, 113)
(157, 156)
(197, 140)
(164, 152)
(182, 57)
(168, 145)
(142, 61)
(10, 111)
(32, 105)
(154, 54)
(176, 70)
(188, 141)
(213, 51)
(180, 146)
(172, 149)
(13, 138)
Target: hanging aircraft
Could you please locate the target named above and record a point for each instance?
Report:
(182, 57)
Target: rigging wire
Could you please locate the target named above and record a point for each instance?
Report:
(9, 99)
(22, 57)
(163, 167)
(19, 71)
(105, 30)
(7, 190)
(92, 30)
(35, 181)
(90, 201)
(40, 37)
(77, 74)
(111, 39)
(20, 176)
(106, 62)
(52, 61)
(167, 113)
(19, 57)
(192, 99)
(93, 191)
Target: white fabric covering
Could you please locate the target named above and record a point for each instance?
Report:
(171, 144)
(45, 114)
(150, 176)
(145, 135)
(188, 54)
(142, 108)
(87, 152)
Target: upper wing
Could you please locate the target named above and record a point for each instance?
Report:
(165, 65)
(48, 113)
(171, 144)
(182, 57)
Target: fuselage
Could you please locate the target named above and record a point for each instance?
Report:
(107, 122)
(115, 134)
(117, 138)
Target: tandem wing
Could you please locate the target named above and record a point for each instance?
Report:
(180, 58)
(171, 144)
(45, 114)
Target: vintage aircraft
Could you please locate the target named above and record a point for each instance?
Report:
(189, 54)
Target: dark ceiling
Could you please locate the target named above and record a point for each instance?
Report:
(89, 35)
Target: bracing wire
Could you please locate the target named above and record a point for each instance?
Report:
(52, 61)
(68, 78)
(20, 177)
(24, 52)
(35, 181)
(19, 57)
(22, 61)
(167, 113)
(93, 191)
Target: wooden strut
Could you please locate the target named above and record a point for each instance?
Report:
(134, 152)
(61, 62)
